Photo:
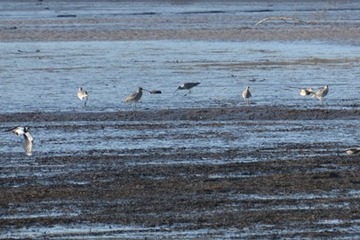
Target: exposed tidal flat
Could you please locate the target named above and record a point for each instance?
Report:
(202, 166)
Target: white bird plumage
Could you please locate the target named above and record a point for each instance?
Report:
(83, 95)
(28, 144)
(305, 91)
(24, 131)
(19, 131)
(351, 151)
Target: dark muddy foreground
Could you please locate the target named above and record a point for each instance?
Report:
(194, 114)
(199, 194)
(273, 198)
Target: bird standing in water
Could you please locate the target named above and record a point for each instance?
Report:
(83, 95)
(246, 94)
(187, 86)
(134, 97)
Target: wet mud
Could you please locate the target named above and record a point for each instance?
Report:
(278, 197)
(322, 22)
(184, 192)
(194, 114)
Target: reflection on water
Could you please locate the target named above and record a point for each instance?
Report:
(71, 138)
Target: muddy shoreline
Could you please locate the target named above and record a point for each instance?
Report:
(256, 113)
(317, 33)
(179, 21)
(185, 197)
(196, 195)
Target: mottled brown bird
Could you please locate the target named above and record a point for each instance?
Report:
(246, 94)
(134, 97)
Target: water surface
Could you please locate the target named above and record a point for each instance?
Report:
(44, 76)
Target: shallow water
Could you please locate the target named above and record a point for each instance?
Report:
(77, 138)
(45, 76)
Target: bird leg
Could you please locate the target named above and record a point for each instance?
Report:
(187, 93)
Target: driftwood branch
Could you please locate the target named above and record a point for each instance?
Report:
(283, 18)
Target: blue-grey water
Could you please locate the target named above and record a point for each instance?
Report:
(45, 76)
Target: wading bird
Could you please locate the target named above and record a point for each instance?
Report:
(246, 94)
(134, 97)
(187, 86)
(83, 95)
(321, 93)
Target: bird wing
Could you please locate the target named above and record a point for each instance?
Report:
(191, 85)
(28, 144)
(79, 95)
(16, 130)
(130, 97)
(326, 90)
(133, 97)
(11, 129)
(322, 92)
(246, 93)
(350, 151)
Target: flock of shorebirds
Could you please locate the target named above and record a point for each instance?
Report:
(246, 94)
(83, 95)
(136, 96)
(319, 94)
